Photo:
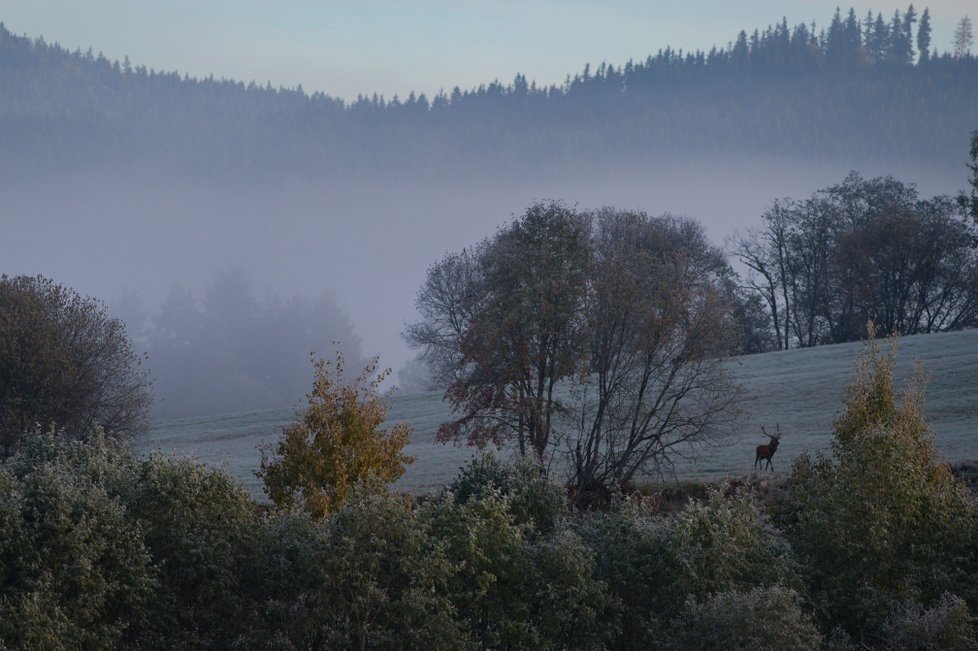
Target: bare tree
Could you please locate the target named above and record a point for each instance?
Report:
(765, 253)
(448, 302)
(963, 38)
(656, 384)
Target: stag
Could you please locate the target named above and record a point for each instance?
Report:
(767, 451)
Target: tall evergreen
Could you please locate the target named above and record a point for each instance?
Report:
(880, 41)
(853, 37)
(909, 19)
(923, 36)
(901, 49)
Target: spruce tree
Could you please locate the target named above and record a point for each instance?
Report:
(923, 36)
(909, 19)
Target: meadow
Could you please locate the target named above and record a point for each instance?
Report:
(801, 390)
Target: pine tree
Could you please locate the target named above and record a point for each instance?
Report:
(923, 36)
(853, 36)
(880, 43)
(900, 50)
(909, 19)
(836, 46)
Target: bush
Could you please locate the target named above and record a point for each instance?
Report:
(64, 362)
(761, 619)
(201, 530)
(883, 519)
(532, 497)
(367, 577)
(336, 444)
(74, 571)
(100, 550)
(286, 572)
(513, 588)
(947, 625)
(653, 564)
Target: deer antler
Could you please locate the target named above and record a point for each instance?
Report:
(764, 431)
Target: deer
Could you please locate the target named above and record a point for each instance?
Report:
(767, 451)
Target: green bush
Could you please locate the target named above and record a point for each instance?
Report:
(367, 577)
(201, 529)
(513, 588)
(948, 625)
(653, 564)
(531, 496)
(883, 520)
(74, 571)
(762, 619)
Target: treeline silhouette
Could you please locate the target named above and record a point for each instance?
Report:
(868, 87)
(857, 251)
(233, 350)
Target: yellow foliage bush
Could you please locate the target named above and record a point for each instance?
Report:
(336, 443)
(882, 521)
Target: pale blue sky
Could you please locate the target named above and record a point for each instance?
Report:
(345, 47)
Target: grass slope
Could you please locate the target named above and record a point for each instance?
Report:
(800, 389)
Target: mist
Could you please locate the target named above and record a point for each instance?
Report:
(368, 243)
(125, 184)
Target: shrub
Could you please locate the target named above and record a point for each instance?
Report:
(513, 588)
(368, 576)
(532, 497)
(946, 625)
(762, 619)
(64, 362)
(336, 444)
(286, 571)
(653, 564)
(74, 571)
(201, 529)
(883, 519)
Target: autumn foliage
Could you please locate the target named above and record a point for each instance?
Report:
(336, 443)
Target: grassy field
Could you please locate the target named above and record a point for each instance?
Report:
(800, 389)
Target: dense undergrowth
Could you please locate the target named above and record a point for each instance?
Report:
(874, 547)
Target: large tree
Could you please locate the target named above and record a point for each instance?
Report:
(597, 334)
(503, 322)
(660, 319)
(65, 362)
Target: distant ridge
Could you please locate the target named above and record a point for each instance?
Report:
(861, 89)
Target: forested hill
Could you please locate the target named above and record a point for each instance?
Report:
(859, 90)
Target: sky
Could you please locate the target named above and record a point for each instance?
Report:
(348, 47)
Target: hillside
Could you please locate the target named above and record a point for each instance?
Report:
(799, 389)
(854, 91)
